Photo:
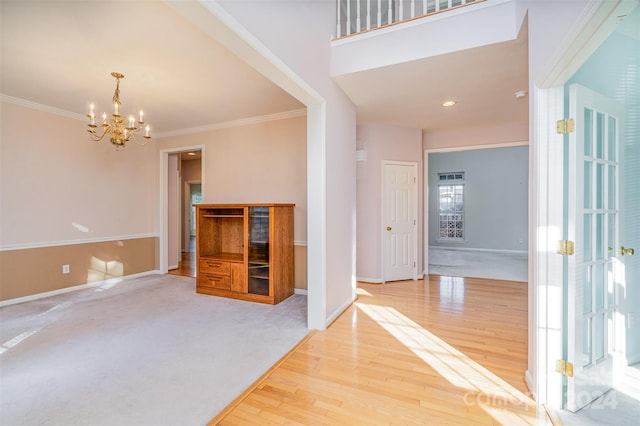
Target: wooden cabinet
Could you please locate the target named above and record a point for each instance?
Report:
(245, 251)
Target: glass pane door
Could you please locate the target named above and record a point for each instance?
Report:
(259, 271)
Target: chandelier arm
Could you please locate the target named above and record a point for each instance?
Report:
(95, 137)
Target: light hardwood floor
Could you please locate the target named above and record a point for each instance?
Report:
(440, 351)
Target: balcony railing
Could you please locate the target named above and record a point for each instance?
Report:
(357, 16)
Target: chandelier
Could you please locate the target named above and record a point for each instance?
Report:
(119, 129)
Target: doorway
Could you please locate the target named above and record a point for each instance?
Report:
(180, 168)
(594, 216)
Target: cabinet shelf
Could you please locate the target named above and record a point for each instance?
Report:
(222, 215)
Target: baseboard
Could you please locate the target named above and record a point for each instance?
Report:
(528, 381)
(369, 280)
(479, 249)
(334, 316)
(379, 280)
(302, 291)
(110, 281)
(633, 359)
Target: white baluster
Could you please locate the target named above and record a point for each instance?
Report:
(424, 7)
(348, 17)
(449, 4)
(368, 14)
(358, 27)
(379, 13)
(338, 29)
(401, 11)
(413, 8)
(389, 11)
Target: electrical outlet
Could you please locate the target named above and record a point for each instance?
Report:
(65, 269)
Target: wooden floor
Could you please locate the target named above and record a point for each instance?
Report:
(187, 264)
(441, 351)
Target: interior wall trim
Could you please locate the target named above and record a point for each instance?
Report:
(300, 243)
(235, 123)
(479, 249)
(74, 242)
(109, 282)
(42, 107)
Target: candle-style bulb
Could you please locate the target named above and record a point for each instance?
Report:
(147, 131)
(141, 116)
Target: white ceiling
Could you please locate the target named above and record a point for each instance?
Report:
(482, 80)
(61, 53)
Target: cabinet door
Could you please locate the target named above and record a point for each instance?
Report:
(238, 278)
(259, 266)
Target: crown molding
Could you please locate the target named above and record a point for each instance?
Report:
(236, 123)
(41, 107)
(209, 127)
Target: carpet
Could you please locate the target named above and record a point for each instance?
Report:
(145, 351)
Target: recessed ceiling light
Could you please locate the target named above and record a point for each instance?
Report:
(191, 153)
(448, 103)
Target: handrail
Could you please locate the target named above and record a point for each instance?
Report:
(358, 16)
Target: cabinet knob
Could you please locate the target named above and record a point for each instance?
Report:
(388, 228)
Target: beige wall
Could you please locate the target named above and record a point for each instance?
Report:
(38, 270)
(69, 200)
(256, 163)
(59, 186)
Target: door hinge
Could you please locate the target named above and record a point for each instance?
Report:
(565, 247)
(564, 367)
(565, 126)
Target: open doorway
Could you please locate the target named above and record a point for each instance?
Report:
(185, 169)
(476, 212)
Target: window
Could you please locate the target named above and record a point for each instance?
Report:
(451, 206)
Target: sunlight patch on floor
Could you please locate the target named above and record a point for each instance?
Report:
(484, 388)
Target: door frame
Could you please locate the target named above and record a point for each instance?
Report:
(163, 198)
(425, 207)
(546, 297)
(413, 164)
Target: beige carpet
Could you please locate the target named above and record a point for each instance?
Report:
(146, 351)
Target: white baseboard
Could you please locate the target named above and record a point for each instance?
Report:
(369, 280)
(633, 359)
(528, 380)
(331, 318)
(302, 291)
(379, 280)
(110, 281)
(478, 249)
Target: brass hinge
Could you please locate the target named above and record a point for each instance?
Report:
(564, 367)
(565, 126)
(565, 248)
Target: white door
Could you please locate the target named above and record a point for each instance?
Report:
(595, 271)
(399, 220)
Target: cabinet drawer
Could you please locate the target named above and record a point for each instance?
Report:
(215, 266)
(215, 281)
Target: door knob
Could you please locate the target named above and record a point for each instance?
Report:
(628, 251)
(388, 228)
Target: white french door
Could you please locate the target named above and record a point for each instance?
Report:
(595, 272)
(399, 220)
